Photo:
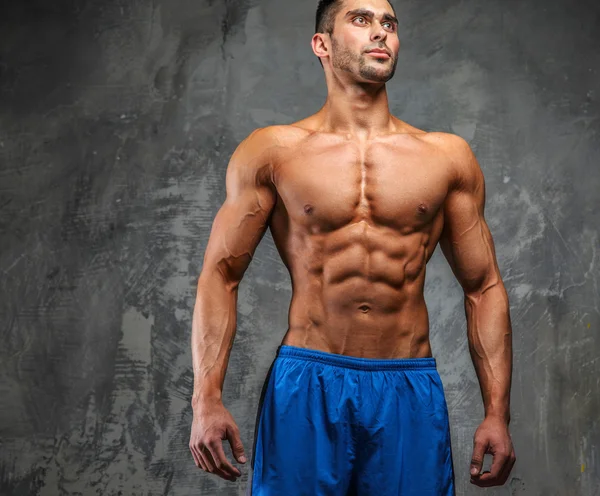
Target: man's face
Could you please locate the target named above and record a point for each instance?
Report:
(360, 26)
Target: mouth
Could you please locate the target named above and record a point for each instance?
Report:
(378, 54)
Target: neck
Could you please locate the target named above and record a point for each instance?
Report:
(358, 109)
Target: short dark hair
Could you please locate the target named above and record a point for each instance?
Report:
(326, 12)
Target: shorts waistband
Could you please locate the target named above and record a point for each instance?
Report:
(285, 350)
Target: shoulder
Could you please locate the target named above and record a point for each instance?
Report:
(255, 151)
(266, 140)
(463, 165)
(255, 144)
(254, 160)
(453, 146)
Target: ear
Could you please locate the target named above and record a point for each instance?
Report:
(319, 44)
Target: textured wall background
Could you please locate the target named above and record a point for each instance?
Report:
(117, 120)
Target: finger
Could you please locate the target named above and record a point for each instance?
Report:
(492, 478)
(237, 448)
(214, 465)
(507, 469)
(225, 464)
(207, 459)
(222, 466)
(200, 459)
(477, 457)
(197, 459)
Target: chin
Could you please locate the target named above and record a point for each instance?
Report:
(377, 76)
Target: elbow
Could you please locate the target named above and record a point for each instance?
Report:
(476, 288)
(220, 275)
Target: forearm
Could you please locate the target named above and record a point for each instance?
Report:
(213, 332)
(490, 344)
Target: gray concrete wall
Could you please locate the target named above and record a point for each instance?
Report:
(117, 120)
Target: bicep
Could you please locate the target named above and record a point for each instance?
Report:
(242, 220)
(466, 240)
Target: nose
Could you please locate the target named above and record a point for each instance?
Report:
(378, 32)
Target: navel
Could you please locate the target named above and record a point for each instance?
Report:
(308, 209)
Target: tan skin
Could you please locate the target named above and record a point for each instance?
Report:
(356, 201)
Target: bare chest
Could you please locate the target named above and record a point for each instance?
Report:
(326, 186)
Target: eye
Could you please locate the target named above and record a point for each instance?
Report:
(359, 17)
(392, 25)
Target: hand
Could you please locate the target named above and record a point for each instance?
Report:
(213, 423)
(492, 437)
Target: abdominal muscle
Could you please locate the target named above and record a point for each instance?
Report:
(359, 296)
(355, 222)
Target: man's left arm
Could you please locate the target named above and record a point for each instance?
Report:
(467, 244)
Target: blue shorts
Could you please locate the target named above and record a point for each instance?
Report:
(330, 425)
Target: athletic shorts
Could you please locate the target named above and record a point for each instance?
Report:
(330, 424)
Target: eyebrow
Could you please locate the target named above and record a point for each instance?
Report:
(369, 13)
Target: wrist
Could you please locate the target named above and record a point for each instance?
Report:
(205, 397)
(503, 417)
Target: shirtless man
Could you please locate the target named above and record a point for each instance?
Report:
(356, 201)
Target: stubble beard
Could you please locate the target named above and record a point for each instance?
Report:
(346, 60)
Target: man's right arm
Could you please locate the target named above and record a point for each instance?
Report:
(237, 229)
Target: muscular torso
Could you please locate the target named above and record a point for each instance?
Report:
(355, 222)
